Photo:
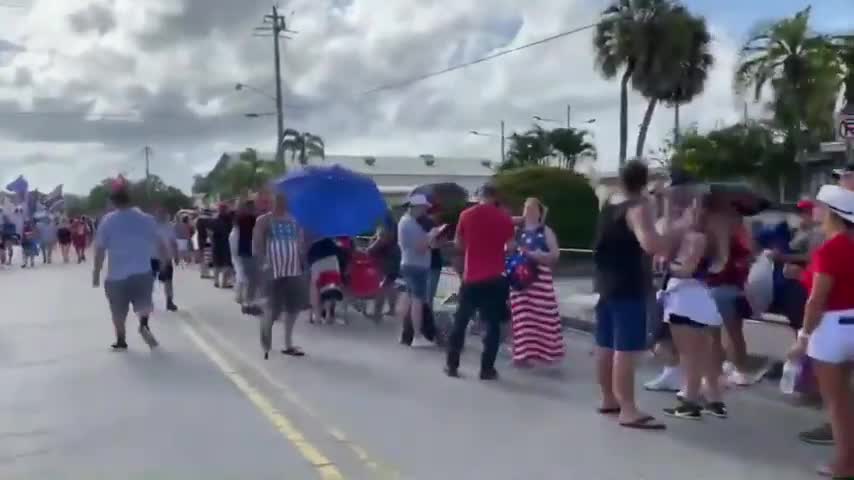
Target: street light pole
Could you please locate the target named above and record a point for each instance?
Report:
(568, 116)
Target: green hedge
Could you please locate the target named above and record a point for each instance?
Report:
(571, 200)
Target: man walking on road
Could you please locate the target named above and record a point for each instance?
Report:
(483, 233)
(129, 238)
(163, 267)
(626, 235)
(278, 244)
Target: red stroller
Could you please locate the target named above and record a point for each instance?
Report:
(363, 280)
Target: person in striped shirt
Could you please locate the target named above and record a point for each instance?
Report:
(278, 243)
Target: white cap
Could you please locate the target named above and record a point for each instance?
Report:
(418, 200)
(839, 200)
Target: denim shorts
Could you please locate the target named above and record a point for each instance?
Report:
(731, 302)
(417, 280)
(621, 324)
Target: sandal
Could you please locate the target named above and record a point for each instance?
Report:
(294, 352)
(644, 423)
(608, 410)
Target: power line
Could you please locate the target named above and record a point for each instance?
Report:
(419, 78)
(378, 89)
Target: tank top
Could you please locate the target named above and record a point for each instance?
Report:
(283, 248)
(621, 269)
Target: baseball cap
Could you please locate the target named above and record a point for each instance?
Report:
(418, 200)
(846, 170)
(806, 205)
(839, 200)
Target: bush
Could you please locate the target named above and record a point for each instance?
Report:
(571, 200)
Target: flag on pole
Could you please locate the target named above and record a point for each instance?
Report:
(51, 199)
(19, 186)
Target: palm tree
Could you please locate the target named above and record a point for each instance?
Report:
(572, 145)
(804, 71)
(303, 145)
(528, 149)
(676, 71)
(623, 39)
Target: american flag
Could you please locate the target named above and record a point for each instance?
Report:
(520, 271)
(284, 249)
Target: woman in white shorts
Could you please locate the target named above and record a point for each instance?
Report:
(828, 332)
(693, 316)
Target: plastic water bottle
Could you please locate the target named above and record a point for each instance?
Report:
(791, 370)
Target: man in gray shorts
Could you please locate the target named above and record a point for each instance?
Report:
(130, 239)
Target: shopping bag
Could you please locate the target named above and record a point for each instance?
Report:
(759, 289)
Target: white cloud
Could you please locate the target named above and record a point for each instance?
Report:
(176, 62)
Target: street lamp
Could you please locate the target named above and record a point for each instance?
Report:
(242, 86)
(481, 134)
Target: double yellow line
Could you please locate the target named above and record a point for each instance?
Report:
(326, 468)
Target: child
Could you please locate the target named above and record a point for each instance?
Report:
(29, 245)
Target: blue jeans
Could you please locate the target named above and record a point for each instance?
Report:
(417, 281)
(621, 324)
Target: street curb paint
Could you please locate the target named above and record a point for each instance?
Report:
(381, 470)
(326, 470)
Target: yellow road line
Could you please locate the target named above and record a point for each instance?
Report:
(383, 471)
(324, 467)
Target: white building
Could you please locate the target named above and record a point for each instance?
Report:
(396, 176)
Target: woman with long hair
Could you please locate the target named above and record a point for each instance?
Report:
(536, 325)
(827, 336)
(690, 310)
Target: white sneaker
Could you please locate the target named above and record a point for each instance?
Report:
(670, 380)
(745, 379)
(421, 342)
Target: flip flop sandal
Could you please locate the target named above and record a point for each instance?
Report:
(294, 352)
(644, 423)
(608, 411)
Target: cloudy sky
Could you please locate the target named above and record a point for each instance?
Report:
(86, 84)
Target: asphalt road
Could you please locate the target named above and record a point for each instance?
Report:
(359, 406)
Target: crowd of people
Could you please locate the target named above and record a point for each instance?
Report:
(42, 237)
(707, 255)
(278, 271)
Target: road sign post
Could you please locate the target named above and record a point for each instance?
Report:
(845, 132)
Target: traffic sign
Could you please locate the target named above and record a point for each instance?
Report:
(845, 129)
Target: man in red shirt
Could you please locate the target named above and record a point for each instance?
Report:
(483, 233)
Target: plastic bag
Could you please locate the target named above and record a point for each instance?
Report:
(759, 289)
(791, 371)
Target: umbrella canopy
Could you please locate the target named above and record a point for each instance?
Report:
(444, 194)
(332, 201)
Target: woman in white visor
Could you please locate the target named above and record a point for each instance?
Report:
(828, 332)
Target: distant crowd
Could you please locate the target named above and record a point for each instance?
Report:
(41, 237)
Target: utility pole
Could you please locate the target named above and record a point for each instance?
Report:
(568, 116)
(278, 26)
(502, 143)
(146, 151)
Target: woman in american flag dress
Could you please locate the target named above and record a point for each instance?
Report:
(536, 325)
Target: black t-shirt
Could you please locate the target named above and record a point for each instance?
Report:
(245, 227)
(436, 261)
(202, 226)
(220, 229)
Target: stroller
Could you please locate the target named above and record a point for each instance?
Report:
(362, 280)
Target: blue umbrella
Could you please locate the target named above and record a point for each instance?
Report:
(333, 201)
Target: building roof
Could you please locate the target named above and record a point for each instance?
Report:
(423, 165)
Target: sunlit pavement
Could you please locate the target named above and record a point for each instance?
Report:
(359, 406)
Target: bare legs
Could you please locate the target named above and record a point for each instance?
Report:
(834, 383)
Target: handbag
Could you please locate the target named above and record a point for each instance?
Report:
(521, 271)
